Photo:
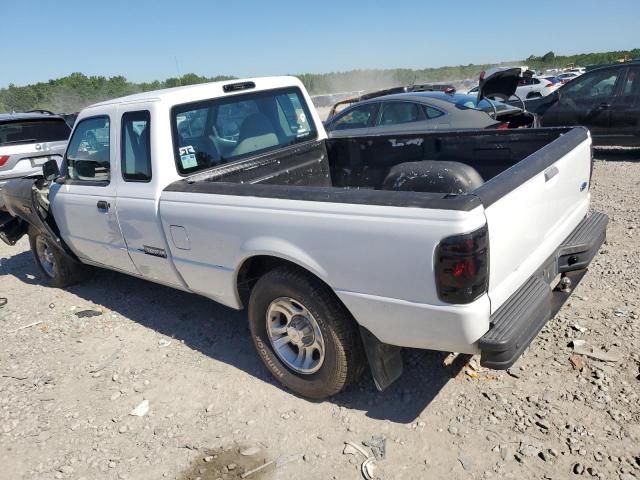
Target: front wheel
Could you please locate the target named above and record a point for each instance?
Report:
(304, 335)
(56, 266)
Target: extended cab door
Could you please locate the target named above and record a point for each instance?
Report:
(139, 188)
(83, 202)
(532, 208)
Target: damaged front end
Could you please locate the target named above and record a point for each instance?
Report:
(12, 228)
(27, 204)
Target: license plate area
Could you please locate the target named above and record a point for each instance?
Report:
(38, 161)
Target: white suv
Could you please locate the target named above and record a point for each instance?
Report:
(28, 140)
(534, 87)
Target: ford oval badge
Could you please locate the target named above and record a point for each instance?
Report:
(583, 186)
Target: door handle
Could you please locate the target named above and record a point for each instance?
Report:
(603, 106)
(103, 205)
(550, 172)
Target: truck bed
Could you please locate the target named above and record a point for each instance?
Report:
(351, 170)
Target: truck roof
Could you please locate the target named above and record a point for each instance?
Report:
(199, 91)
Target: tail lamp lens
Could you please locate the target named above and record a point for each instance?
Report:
(462, 267)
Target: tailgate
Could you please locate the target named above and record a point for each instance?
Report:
(532, 207)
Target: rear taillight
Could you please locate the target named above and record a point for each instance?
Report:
(462, 267)
(3, 159)
(503, 126)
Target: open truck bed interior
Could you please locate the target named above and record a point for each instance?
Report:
(353, 170)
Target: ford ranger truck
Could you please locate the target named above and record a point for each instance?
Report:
(342, 250)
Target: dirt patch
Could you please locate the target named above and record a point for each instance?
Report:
(231, 463)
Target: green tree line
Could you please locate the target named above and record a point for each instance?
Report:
(76, 91)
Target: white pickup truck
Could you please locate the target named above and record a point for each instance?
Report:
(343, 250)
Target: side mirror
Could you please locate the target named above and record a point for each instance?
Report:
(50, 170)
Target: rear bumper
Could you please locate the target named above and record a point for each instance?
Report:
(516, 323)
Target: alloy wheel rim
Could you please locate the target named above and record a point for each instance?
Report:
(295, 335)
(46, 257)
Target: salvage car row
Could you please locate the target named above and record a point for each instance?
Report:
(605, 100)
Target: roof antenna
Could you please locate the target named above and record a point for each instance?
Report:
(178, 70)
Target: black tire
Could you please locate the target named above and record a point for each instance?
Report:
(65, 271)
(343, 352)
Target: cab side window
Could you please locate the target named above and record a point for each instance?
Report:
(358, 117)
(88, 154)
(136, 147)
(593, 85)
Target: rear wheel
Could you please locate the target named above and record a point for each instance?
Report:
(304, 335)
(56, 266)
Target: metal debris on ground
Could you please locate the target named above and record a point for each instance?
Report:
(248, 452)
(3, 301)
(368, 468)
(141, 410)
(257, 469)
(351, 448)
(378, 445)
(26, 326)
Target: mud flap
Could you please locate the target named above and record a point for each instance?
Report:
(385, 360)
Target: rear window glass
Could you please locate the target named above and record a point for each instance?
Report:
(218, 131)
(33, 131)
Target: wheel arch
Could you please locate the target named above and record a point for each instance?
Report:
(385, 361)
(254, 266)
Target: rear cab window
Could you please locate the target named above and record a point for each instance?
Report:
(88, 157)
(600, 83)
(135, 146)
(222, 130)
(33, 131)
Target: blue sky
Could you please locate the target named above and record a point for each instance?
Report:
(142, 39)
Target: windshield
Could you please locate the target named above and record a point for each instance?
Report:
(213, 132)
(470, 102)
(33, 131)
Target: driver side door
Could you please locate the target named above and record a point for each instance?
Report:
(83, 201)
(585, 101)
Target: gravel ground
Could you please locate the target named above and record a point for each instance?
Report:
(69, 384)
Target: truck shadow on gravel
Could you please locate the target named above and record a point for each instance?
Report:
(613, 155)
(222, 334)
